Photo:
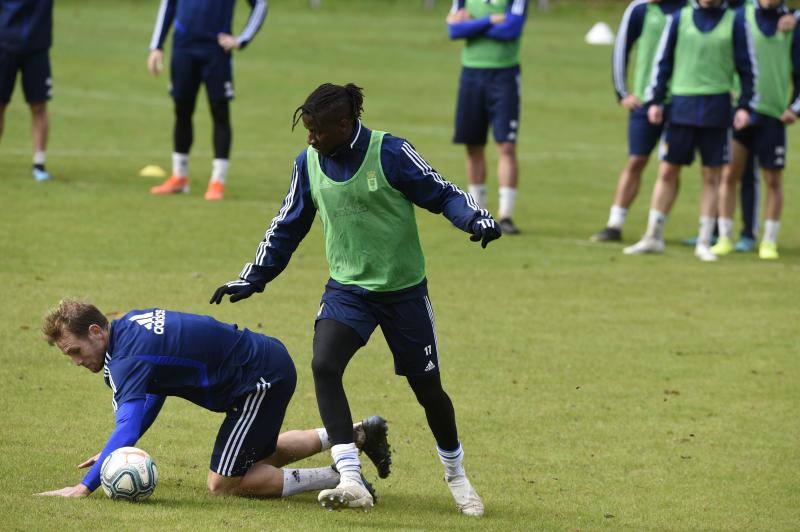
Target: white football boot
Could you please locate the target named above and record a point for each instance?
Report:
(467, 499)
(704, 253)
(647, 244)
(348, 494)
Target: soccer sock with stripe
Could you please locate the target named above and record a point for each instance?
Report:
(452, 461)
(39, 158)
(478, 193)
(655, 224)
(771, 228)
(706, 231)
(345, 457)
(507, 197)
(219, 170)
(725, 226)
(180, 164)
(299, 480)
(616, 217)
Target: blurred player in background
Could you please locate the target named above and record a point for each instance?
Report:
(776, 59)
(26, 34)
(150, 354)
(364, 185)
(202, 47)
(489, 93)
(704, 45)
(642, 25)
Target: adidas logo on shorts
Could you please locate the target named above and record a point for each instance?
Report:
(431, 366)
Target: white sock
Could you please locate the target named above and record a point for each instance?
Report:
(478, 193)
(324, 439)
(655, 224)
(39, 157)
(299, 480)
(706, 231)
(616, 217)
(771, 228)
(725, 226)
(219, 170)
(345, 456)
(507, 197)
(180, 164)
(452, 461)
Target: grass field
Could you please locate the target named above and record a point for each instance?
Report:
(593, 390)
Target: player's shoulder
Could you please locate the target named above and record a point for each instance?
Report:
(637, 7)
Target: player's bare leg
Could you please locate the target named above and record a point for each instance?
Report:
(708, 212)
(627, 189)
(476, 173)
(508, 177)
(39, 132)
(726, 205)
(664, 194)
(768, 249)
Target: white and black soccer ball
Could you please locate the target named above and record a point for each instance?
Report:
(128, 473)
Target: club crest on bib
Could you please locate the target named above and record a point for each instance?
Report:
(372, 181)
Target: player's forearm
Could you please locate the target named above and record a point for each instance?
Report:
(164, 18)
(469, 28)
(152, 407)
(125, 435)
(509, 30)
(254, 22)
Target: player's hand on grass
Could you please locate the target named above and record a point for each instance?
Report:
(70, 491)
(788, 117)
(228, 42)
(741, 119)
(155, 62)
(484, 230)
(631, 102)
(89, 461)
(238, 290)
(787, 23)
(655, 114)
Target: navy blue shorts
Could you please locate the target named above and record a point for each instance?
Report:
(766, 139)
(487, 96)
(642, 135)
(36, 77)
(681, 141)
(211, 66)
(253, 422)
(408, 326)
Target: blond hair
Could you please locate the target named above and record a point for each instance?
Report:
(71, 316)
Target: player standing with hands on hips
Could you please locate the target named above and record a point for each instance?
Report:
(364, 185)
(202, 47)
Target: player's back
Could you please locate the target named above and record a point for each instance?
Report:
(195, 357)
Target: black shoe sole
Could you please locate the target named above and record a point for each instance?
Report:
(376, 446)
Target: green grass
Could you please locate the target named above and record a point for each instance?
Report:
(592, 390)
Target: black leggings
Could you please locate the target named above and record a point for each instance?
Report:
(184, 131)
(334, 345)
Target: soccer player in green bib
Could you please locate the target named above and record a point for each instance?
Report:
(364, 185)
(642, 25)
(489, 93)
(703, 46)
(776, 59)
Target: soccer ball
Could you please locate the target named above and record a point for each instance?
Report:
(128, 473)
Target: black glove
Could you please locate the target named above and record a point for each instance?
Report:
(238, 290)
(485, 230)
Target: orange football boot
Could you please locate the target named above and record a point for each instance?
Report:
(215, 191)
(173, 185)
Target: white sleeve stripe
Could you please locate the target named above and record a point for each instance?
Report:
(254, 22)
(288, 202)
(454, 7)
(518, 7)
(162, 11)
(427, 170)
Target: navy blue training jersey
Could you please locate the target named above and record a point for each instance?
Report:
(26, 25)
(198, 22)
(167, 353)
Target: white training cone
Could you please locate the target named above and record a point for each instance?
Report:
(600, 34)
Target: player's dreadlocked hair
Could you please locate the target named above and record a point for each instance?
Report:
(327, 99)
